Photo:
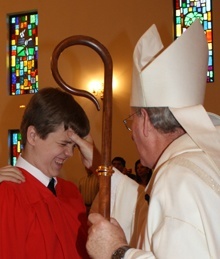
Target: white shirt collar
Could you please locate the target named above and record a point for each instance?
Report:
(40, 176)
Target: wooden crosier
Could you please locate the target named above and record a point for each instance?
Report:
(105, 169)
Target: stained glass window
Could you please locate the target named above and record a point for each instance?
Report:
(186, 11)
(23, 58)
(15, 145)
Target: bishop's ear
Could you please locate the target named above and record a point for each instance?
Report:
(146, 122)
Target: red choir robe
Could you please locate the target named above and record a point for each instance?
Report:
(36, 224)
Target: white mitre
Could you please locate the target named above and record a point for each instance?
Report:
(176, 78)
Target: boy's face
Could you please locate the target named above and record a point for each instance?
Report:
(50, 154)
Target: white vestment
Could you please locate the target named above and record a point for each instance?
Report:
(183, 219)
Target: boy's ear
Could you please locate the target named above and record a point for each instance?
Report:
(31, 135)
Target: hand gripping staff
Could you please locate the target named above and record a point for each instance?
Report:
(104, 170)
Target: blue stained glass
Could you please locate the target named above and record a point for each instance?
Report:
(13, 77)
(185, 11)
(14, 139)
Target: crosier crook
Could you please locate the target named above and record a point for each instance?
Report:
(105, 169)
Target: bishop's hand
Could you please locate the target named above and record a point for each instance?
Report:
(104, 237)
(91, 157)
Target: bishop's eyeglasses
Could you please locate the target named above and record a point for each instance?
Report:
(128, 121)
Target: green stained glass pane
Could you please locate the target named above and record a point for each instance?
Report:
(31, 51)
(21, 52)
(30, 33)
(32, 19)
